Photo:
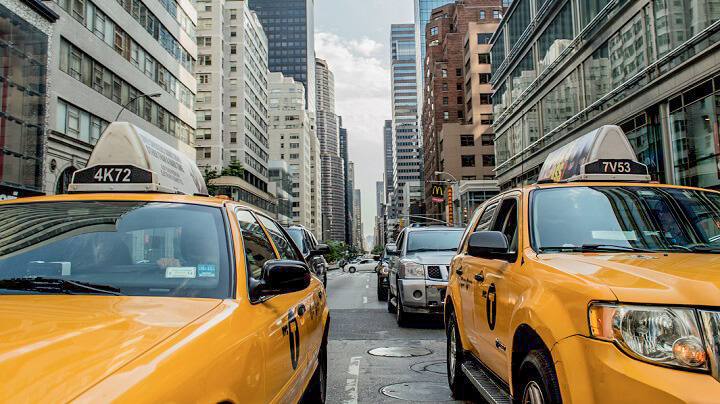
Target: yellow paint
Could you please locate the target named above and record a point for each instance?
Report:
(89, 348)
(550, 294)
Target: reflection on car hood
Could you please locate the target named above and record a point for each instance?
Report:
(674, 278)
(431, 257)
(58, 346)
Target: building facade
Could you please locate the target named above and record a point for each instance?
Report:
(290, 25)
(232, 91)
(281, 186)
(26, 31)
(293, 139)
(349, 173)
(565, 68)
(457, 94)
(109, 57)
(388, 176)
(358, 238)
(406, 144)
(332, 165)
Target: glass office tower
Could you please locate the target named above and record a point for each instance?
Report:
(289, 25)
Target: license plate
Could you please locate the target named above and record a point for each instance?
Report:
(120, 174)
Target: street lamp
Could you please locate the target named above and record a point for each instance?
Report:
(153, 95)
(438, 173)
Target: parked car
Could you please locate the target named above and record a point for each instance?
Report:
(383, 269)
(365, 264)
(311, 250)
(418, 278)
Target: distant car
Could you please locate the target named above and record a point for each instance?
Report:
(418, 278)
(311, 250)
(365, 264)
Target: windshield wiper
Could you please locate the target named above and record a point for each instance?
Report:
(431, 249)
(56, 285)
(594, 248)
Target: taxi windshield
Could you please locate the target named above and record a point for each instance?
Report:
(632, 218)
(127, 248)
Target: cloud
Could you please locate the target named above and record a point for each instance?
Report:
(362, 98)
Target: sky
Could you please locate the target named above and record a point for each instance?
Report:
(354, 37)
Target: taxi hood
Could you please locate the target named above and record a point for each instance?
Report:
(59, 346)
(673, 278)
(431, 257)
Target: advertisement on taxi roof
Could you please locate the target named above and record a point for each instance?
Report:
(566, 161)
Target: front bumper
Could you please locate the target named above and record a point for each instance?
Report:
(593, 371)
(422, 296)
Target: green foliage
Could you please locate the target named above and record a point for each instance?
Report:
(209, 176)
(377, 250)
(235, 169)
(338, 250)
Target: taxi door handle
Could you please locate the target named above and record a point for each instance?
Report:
(480, 278)
(301, 310)
(459, 271)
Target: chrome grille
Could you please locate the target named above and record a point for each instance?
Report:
(434, 272)
(711, 329)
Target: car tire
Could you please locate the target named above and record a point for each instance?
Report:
(538, 382)
(457, 380)
(317, 389)
(400, 315)
(352, 270)
(325, 280)
(391, 307)
(381, 293)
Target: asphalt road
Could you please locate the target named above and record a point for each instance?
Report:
(360, 323)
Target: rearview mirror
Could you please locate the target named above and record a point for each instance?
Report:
(391, 249)
(489, 245)
(320, 249)
(280, 277)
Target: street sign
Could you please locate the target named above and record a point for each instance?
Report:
(438, 194)
(451, 220)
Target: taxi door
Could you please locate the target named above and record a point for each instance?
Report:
(468, 271)
(497, 290)
(303, 325)
(281, 329)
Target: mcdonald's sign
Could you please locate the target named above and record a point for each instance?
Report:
(438, 194)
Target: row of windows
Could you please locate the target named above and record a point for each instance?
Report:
(488, 160)
(107, 30)
(83, 68)
(180, 16)
(78, 123)
(259, 167)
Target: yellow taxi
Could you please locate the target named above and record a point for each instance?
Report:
(595, 285)
(136, 287)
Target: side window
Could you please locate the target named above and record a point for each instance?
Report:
(507, 222)
(399, 242)
(311, 240)
(486, 218)
(258, 249)
(284, 247)
(468, 229)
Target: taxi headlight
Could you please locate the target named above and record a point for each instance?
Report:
(667, 336)
(412, 270)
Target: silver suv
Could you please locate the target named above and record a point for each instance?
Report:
(418, 276)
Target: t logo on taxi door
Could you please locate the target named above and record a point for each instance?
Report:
(294, 333)
(491, 306)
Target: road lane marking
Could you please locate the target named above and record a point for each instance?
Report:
(351, 384)
(367, 286)
(364, 299)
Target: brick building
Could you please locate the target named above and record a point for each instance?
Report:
(453, 96)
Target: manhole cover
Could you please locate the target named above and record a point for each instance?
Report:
(437, 367)
(400, 351)
(418, 391)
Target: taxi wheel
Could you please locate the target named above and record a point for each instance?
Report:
(317, 389)
(459, 384)
(352, 270)
(538, 381)
(382, 293)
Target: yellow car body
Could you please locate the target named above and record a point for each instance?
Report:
(100, 348)
(542, 299)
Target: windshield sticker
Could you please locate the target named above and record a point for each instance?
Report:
(180, 272)
(614, 235)
(206, 271)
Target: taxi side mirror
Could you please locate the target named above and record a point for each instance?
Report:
(488, 245)
(320, 249)
(281, 277)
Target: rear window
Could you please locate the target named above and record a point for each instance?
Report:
(137, 248)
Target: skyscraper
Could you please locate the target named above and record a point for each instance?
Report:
(289, 25)
(406, 144)
(388, 161)
(423, 9)
(332, 170)
(349, 185)
(232, 96)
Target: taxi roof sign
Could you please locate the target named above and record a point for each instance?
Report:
(128, 159)
(604, 154)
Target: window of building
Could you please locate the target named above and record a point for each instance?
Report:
(497, 15)
(233, 155)
(445, 86)
(460, 114)
(458, 72)
(487, 140)
(467, 161)
(205, 60)
(467, 140)
(233, 67)
(233, 49)
(488, 160)
(557, 37)
(458, 86)
(444, 73)
(485, 78)
(485, 99)
(446, 115)
(459, 100)
(233, 14)
(233, 119)
(482, 17)
(445, 101)
(204, 78)
(233, 101)
(233, 32)
(233, 137)
(484, 58)
(434, 31)
(486, 119)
